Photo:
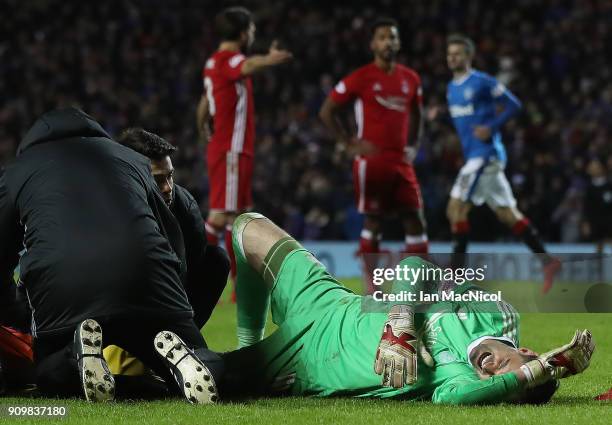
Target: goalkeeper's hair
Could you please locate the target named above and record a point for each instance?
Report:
(232, 22)
(146, 143)
(465, 41)
(540, 394)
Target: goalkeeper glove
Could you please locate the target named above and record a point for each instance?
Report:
(568, 360)
(396, 357)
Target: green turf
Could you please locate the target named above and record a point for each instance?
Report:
(573, 403)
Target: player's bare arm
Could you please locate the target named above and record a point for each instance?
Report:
(415, 136)
(331, 116)
(258, 63)
(202, 117)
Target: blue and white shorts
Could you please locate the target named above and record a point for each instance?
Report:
(483, 180)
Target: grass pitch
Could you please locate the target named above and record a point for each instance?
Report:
(572, 404)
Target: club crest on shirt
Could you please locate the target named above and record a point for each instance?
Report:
(376, 87)
(405, 87)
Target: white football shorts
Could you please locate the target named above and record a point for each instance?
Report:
(481, 180)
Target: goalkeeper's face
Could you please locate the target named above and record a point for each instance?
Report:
(493, 357)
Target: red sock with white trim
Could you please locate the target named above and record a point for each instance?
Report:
(369, 245)
(417, 244)
(524, 230)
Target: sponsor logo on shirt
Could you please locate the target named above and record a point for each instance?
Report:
(405, 87)
(395, 103)
(457, 111)
(376, 87)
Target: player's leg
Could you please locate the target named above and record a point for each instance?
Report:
(56, 367)
(416, 233)
(369, 239)
(217, 229)
(372, 184)
(407, 198)
(270, 260)
(220, 175)
(174, 349)
(254, 238)
(204, 298)
(457, 212)
(239, 200)
(224, 182)
(464, 193)
(369, 248)
(500, 198)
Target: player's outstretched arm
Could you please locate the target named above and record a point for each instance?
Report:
(258, 63)
(468, 389)
(534, 382)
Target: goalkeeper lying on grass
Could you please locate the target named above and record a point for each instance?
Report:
(327, 337)
(329, 341)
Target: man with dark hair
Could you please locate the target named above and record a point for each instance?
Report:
(207, 266)
(467, 351)
(102, 252)
(473, 100)
(388, 103)
(228, 99)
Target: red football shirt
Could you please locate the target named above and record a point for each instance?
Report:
(383, 103)
(230, 99)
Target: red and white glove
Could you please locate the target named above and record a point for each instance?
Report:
(396, 357)
(568, 360)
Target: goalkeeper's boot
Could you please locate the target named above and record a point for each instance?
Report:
(96, 379)
(192, 376)
(551, 268)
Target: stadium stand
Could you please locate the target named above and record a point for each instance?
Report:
(139, 63)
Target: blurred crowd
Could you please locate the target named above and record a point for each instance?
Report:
(138, 63)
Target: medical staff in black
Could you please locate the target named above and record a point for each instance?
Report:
(102, 253)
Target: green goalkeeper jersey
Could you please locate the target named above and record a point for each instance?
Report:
(328, 336)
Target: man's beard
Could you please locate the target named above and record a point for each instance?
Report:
(388, 55)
